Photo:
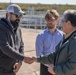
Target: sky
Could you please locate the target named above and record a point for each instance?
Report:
(72, 2)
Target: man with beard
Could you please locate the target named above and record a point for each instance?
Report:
(11, 44)
(48, 39)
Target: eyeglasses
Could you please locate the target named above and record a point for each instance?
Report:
(17, 16)
(51, 20)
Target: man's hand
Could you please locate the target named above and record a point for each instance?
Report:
(50, 69)
(34, 59)
(28, 60)
(17, 67)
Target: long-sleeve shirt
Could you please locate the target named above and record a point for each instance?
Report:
(46, 42)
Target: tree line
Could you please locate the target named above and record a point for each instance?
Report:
(41, 7)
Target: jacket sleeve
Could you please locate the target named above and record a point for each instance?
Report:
(7, 49)
(68, 67)
(49, 59)
(21, 50)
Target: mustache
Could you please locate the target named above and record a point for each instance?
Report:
(17, 20)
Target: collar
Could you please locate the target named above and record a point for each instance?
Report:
(66, 36)
(50, 32)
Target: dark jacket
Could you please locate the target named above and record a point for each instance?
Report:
(64, 59)
(11, 46)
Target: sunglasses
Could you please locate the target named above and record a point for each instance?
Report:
(17, 16)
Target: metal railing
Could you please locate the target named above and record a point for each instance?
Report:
(35, 21)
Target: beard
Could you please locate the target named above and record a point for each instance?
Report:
(50, 27)
(15, 23)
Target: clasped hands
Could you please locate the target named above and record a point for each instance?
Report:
(30, 60)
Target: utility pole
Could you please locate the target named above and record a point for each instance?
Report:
(10, 1)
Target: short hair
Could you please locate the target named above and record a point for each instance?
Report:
(51, 13)
(70, 15)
